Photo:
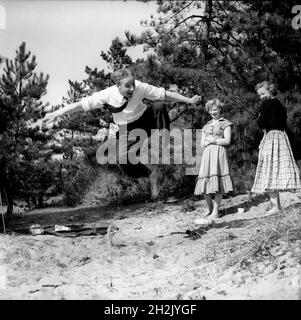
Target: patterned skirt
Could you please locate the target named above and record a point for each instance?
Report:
(214, 175)
(276, 168)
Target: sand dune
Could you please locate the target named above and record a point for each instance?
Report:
(152, 257)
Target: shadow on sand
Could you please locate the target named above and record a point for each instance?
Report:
(239, 223)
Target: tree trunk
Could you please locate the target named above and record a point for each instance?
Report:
(9, 198)
(6, 194)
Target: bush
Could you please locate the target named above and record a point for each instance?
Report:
(76, 181)
(111, 187)
(173, 181)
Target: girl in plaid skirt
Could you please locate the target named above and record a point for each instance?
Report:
(276, 169)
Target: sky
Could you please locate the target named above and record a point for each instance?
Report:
(66, 35)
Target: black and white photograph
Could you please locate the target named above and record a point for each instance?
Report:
(150, 150)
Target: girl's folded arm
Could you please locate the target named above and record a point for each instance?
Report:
(227, 137)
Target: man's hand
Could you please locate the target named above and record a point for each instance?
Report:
(47, 121)
(195, 99)
(49, 117)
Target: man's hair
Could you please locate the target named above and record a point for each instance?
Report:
(212, 103)
(268, 85)
(120, 74)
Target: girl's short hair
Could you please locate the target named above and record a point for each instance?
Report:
(268, 85)
(213, 103)
(120, 74)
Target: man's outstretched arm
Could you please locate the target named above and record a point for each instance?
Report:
(176, 97)
(69, 109)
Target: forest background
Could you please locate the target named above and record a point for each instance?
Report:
(211, 48)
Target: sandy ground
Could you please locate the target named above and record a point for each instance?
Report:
(152, 257)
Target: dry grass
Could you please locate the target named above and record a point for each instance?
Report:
(265, 240)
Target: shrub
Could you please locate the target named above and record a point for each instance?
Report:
(111, 187)
(76, 181)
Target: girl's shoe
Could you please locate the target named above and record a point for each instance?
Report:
(215, 215)
(274, 210)
(203, 221)
(207, 214)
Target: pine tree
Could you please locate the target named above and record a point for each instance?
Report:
(116, 57)
(222, 49)
(22, 149)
